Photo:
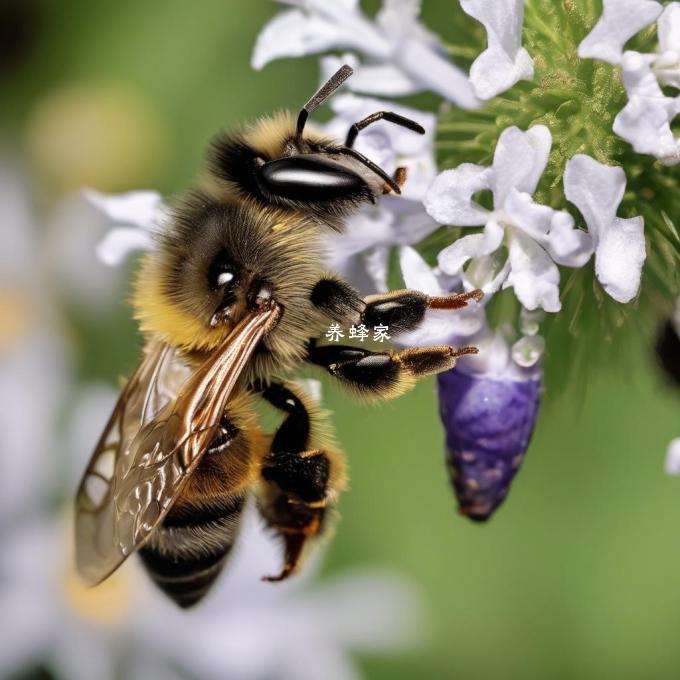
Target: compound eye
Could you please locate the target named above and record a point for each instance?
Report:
(309, 177)
(223, 273)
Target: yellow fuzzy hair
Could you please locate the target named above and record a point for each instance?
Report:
(158, 314)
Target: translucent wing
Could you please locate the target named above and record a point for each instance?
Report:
(153, 442)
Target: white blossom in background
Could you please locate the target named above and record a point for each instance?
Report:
(296, 630)
(536, 236)
(135, 217)
(245, 628)
(35, 370)
(125, 627)
(400, 56)
(505, 61)
(645, 121)
(620, 21)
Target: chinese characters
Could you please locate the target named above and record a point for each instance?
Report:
(360, 333)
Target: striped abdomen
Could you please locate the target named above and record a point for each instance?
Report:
(187, 552)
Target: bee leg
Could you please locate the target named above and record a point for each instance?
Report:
(299, 476)
(383, 375)
(404, 310)
(337, 299)
(388, 116)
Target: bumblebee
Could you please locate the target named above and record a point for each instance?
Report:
(233, 298)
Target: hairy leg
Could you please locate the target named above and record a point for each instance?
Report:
(301, 475)
(383, 375)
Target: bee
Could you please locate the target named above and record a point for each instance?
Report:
(234, 297)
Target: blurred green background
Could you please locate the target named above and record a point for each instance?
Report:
(577, 575)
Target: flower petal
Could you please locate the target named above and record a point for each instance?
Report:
(321, 27)
(519, 161)
(646, 118)
(118, 243)
(435, 72)
(452, 259)
(417, 274)
(504, 62)
(420, 56)
(532, 218)
(567, 245)
(619, 257)
(668, 28)
(376, 261)
(533, 275)
(449, 199)
(595, 189)
(144, 209)
(487, 272)
(620, 21)
(382, 79)
(667, 65)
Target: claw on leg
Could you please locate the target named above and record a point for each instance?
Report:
(294, 543)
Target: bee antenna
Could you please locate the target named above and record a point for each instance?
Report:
(323, 93)
(371, 166)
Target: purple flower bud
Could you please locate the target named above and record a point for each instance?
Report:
(489, 421)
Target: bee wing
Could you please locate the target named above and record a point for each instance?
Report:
(153, 462)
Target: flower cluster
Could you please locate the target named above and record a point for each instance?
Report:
(536, 134)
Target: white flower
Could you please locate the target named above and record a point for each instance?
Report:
(596, 190)
(645, 121)
(35, 366)
(620, 21)
(400, 56)
(505, 61)
(136, 216)
(77, 632)
(536, 236)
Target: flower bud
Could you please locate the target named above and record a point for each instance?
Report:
(489, 420)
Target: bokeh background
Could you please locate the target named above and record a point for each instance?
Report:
(578, 574)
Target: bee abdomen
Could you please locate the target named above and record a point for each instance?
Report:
(188, 551)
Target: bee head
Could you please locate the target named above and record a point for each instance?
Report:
(280, 162)
(270, 163)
